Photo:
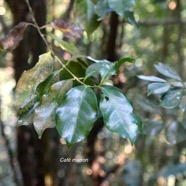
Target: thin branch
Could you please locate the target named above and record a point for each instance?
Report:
(47, 44)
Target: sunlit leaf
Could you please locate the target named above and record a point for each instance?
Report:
(151, 78)
(158, 88)
(44, 115)
(167, 71)
(12, 40)
(172, 99)
(68, 29)
(26, 87)
(117, 113)
(76, 114)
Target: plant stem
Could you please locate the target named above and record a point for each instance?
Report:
(47, 44)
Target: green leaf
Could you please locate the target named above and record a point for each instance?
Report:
(84, 14)
(102, 9)
(151, 78)
(30, 79)
(123, 60)
(44, 115)
(158, 88)
(105, 69)
(121, 6)
(118, 113)
(44, 86)
(76, 114)
(167, 71)
(129, 16)
(26, 111)
(172, 99)
(67, 46)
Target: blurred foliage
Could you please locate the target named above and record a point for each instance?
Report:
(159, 155)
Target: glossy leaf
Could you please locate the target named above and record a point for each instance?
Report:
(171, 99)
(117, 113)
(13, 38)
(121, 6)
(44, 115)
(30, 79)
(76, 114)
(167, 71)
(151, 78)
(102, 9)
(105, 69)
(158, 88)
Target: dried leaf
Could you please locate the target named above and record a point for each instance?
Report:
(69, 29)
(12, 40)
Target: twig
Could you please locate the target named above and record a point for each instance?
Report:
(47, 44)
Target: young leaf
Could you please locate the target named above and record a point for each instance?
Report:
(76, 114)
(158, 88)
(172, 99)
(30, 79)
(12, 40)
(44, 115)
(151, 78)
(167, 71)
(105, 69)
(68, 29)
(118, 113)
(102, 9)
(121, 6)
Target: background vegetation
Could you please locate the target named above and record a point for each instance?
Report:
(159, 154)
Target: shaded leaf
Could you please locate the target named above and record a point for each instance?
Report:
(152, 128)
(12, 40)
(158, 88)
(26, 111)
(68, 29)
(84, 14)
(27, 84)
(175, 133)
(67, 46)
(44, 115)
(129, 16)
(123, 60)
(76, 114)
(171, 99)
(167, 71)
(172, 170)
(102, 9)
(121, 6)
(151, 78)
(117, 113)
